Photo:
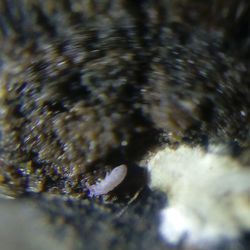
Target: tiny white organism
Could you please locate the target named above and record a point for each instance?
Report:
(111, 181)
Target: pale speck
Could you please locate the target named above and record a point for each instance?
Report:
(124, 143)
(243, 113)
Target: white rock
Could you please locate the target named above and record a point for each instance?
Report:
(208, 195)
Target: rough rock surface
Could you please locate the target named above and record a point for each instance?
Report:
(86, 86)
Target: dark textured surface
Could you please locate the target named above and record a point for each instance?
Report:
(80, 224)
(110, 226)
(88, 85)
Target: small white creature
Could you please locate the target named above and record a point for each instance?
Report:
(111, 181)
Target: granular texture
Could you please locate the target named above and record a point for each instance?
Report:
(86, 86)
